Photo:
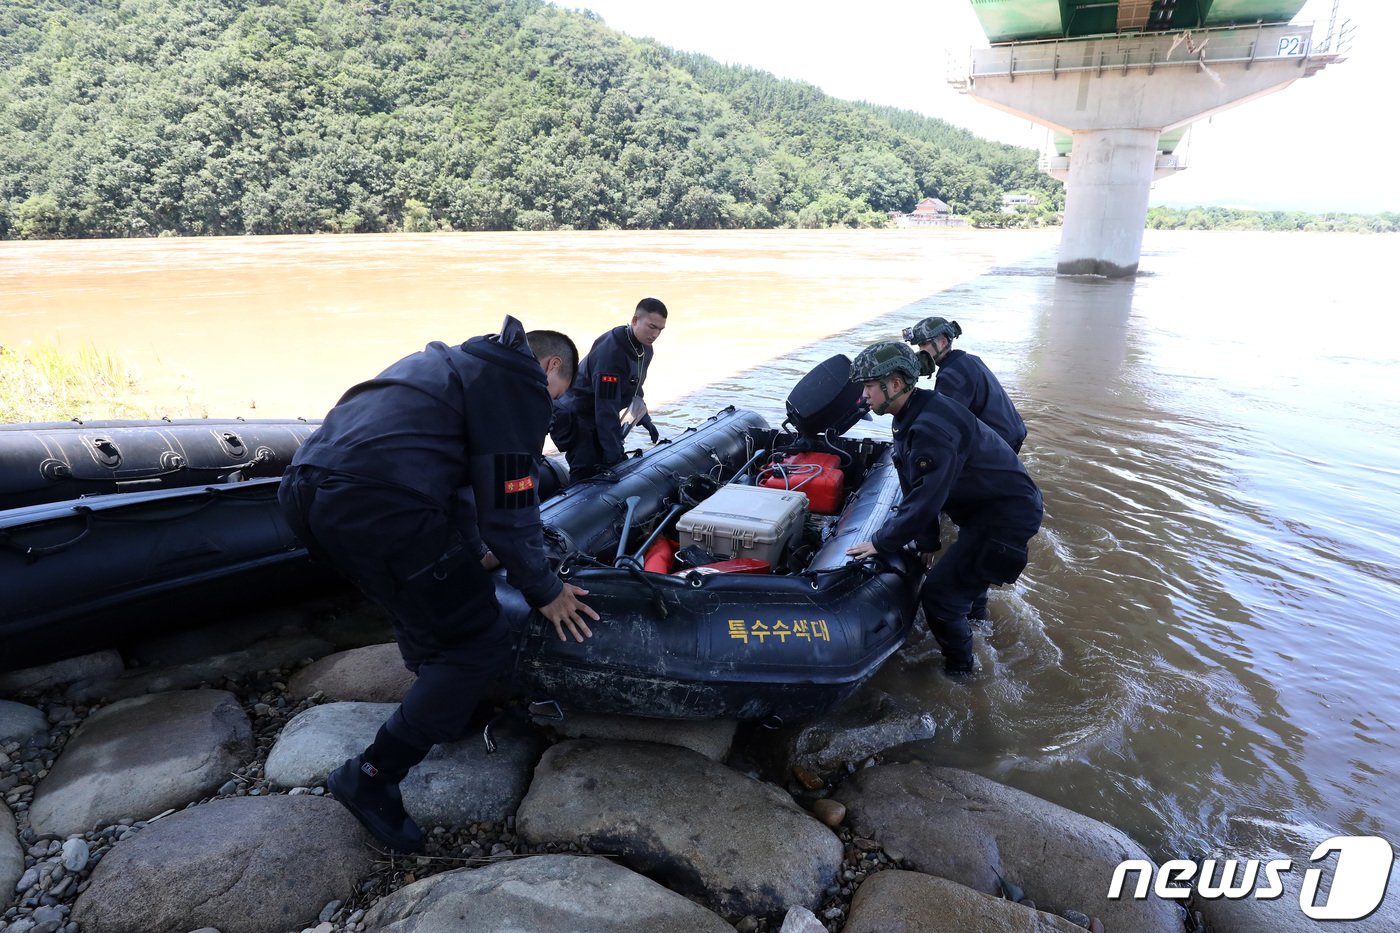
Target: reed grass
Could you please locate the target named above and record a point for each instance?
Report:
(44, 383)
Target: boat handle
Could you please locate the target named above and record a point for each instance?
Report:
(107, 452)
(32, 554)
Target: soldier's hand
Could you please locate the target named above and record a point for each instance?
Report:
(566, 612)
(927, 558)
(861, 551)
(652, 432)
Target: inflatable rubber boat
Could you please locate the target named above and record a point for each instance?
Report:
(719, 569)
(717, 562)
(96, 572)
(54, 461)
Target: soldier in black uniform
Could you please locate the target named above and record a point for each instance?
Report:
(948, 462)
(586, 423)
(417, 483)
(965, 378)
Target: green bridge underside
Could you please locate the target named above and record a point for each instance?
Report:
(1028, 20)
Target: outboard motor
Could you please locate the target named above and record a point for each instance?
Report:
(823, 404)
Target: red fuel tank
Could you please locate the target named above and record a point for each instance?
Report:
(817, 475)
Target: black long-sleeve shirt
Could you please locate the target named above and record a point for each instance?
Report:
(966, 379)
(458, 427)
(951, 462)
(608, 378)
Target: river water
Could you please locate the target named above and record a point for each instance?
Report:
(1202, 651)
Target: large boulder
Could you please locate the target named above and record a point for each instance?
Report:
(21, 722)
(739, 845)
(911, 902)
(457, 784)
(141, 756)
(315, 742)
(544, 892)
(273, 653)
(966, 828)
(710, 737)
(865, 725)
(372, 675)
(240, 864)
(99, 665)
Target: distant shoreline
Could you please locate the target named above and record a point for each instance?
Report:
(1161, 217)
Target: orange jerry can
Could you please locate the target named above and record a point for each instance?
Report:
(817, 475)
(660, 555)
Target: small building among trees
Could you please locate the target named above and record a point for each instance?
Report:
(929, 212)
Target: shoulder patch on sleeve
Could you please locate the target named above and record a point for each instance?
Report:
(515, 482)
(607, 385)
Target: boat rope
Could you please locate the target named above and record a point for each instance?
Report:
(636, 572)
(92, 516)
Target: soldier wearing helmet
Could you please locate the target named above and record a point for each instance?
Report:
(949, 462)
(965, 378)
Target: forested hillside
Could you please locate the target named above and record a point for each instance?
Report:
(141, 117)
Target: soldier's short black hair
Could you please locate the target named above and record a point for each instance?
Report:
(651, 306)
(547, 343)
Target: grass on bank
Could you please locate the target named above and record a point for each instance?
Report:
(44, 383)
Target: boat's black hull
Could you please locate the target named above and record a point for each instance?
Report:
(81, 576)
(55, 461)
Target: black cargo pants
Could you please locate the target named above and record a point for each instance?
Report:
(403, 553)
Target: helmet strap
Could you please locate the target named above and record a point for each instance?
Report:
(884, 407)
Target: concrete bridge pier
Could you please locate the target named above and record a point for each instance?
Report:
(1123, 101)
(1110, 179)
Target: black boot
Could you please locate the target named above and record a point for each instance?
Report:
(960, 667)
(954, 636)
(368, 786)
(978, 614)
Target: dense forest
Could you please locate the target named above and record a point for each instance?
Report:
(148, 117)
(1230, 218)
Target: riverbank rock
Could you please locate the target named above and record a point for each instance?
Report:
(20, 722)
(869, 723)
(374, 674)
(314, 743)
(702, 829)
(141, 756)
(224, 637)
(457, 784)
(11, 857)
(281, 651)
(711, 737)
(100, 665)
(910, 902)
(965, 828)
(241, 865)
(543, 892)
(801, 920)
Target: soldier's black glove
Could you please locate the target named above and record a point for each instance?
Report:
(645, 421)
